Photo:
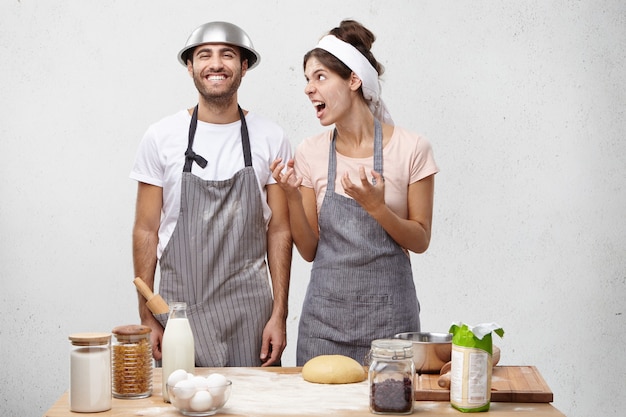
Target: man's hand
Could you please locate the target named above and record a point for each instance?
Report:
(274, 341)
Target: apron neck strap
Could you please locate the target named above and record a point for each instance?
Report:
(378, 156)
(245, 139)
(191, 156)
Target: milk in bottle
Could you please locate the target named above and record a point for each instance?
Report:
(177, 347)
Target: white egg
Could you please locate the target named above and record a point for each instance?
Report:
(184, 389)
(200, 382)
(201, 401)
(217, 381)
(177, 375)
(217, 384)
(180, 403)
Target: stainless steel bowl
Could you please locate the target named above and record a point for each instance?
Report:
(430, 350)
(220, 32)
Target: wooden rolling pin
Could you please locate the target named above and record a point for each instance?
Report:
(154, 302)
(444, 374)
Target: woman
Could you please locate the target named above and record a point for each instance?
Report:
(358, 231)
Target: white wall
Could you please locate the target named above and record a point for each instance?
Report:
(523, 101)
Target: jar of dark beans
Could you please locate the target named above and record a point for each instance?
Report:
(391, 375)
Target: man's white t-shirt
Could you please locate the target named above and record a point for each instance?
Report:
(161, 157)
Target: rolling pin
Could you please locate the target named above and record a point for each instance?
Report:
(444, 374)
(154, 302)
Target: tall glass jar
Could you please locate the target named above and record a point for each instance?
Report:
(90, 372)
(132, 361)
(391, 376)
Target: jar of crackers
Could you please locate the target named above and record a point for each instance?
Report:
(132, 362)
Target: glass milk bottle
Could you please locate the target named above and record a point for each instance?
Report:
(90, 372)
(177, 346)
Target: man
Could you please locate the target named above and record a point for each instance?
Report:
(210, 212)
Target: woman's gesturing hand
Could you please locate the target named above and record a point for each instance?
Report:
(370, 195)
(285, 176)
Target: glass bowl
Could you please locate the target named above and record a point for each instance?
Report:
(199, 401)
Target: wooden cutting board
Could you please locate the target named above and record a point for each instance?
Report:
(520, 384)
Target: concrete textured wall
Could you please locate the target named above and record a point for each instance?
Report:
(523, 101)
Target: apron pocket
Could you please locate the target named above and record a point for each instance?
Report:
(349, 318)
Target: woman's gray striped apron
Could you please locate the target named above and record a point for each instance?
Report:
(361, 285)
(215, 262)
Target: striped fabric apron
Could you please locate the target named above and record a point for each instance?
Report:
(215, 262)
(361, 285)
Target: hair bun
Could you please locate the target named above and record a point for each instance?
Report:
(360, 37)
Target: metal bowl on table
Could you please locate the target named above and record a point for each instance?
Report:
(430, 350)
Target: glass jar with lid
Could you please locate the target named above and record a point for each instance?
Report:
(90, 372)
(132, 361)
(391, 376)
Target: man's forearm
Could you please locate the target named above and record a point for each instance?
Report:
(144, 263)
(279, 253)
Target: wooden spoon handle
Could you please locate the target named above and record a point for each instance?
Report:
(143, 288)
(154, 302)
(495, 355)
(445, 368)
(444, 380)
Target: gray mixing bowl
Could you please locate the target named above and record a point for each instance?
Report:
(430, 350)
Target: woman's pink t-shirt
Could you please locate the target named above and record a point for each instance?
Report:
(407, 158)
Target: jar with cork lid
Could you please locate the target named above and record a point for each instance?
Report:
(90, 372)
(391, 376)
(132, 361)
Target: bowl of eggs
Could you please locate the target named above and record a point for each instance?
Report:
(195, 395)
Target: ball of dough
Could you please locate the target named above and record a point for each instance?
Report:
(333, 369)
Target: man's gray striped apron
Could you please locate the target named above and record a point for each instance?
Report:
(361, 285)
(215, 262)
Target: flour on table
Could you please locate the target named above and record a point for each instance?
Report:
(256, 392)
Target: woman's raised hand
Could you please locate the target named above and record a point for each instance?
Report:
(285, 176)
(370, 195)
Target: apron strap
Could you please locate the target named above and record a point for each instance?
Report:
(378, 149)
(191, 156)
(378, 156)
(245, 139)
(332, 165)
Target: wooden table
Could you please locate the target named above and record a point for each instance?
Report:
(281, 392)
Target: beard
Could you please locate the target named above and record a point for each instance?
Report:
(218, 96)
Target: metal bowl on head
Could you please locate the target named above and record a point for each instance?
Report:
(430, 350)
(220, 32)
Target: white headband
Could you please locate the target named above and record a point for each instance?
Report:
(357, 62)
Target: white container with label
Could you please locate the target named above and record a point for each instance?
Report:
(470, 377)
(472, 363)
(90, 372)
